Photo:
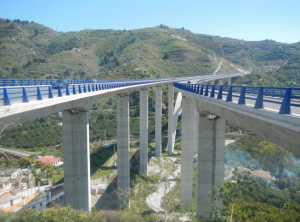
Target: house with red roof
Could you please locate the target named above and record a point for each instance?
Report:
(50, 159)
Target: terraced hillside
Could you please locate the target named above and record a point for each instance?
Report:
(31, 50)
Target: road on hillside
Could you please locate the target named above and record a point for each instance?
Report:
(15, 152)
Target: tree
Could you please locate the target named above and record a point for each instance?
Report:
(105, 60)
(36, 32)
(116, 61)
(230, 191)
(49, 168)
(24, 162)
(166, 56)
(38, 164)
(15, 70)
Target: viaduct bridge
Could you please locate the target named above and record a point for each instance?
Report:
(270, 112)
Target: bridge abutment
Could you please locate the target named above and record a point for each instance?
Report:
(76, 159)
(210, 170)
(158, 121)
(187, 144)
(144, 131)
(123, 177)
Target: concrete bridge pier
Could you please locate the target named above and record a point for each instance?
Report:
(210, 171)
(196, 131)
(229, 81)
(220, 82)
(144, 131)
(76, 159)
(158, 124)
(123, 177)
(213, 82)
(170, 118)
(187, 143)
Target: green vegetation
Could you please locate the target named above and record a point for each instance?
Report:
(30, 50)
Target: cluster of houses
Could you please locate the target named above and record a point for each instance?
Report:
(179, 38)
(15, 195)
(35, 198)
(260, 175)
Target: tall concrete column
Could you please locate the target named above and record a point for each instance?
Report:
(123, 177)
(144, 131)
(170, 118)
(76, 159)
(158, 116)
(210, 163)
(213, 82)
(196, 130)
(187, 143)
(220, 82)
(229, 82)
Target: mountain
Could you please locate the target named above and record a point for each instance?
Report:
(31, 50)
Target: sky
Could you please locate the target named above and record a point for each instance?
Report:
(251, 20)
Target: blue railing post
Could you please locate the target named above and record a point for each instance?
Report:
(201, 91)
(198, 89)
(96, 87)
(67, 91)
(39, 94)
(89, 88)
(229, 95)
(50, 94)
(286, 103)
(24, 95)
(212, 93)
(220, 94)
(259, 104)
(74, 89)
(59, 92)
(6, 97)
(206, 91)
(242, 99)
(84, 88)
(80, 91)
(93, 88)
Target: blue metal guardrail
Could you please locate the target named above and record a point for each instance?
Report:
(286, 94)
(35, 82)
(38, 92)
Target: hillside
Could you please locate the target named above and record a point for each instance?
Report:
(31, 50)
